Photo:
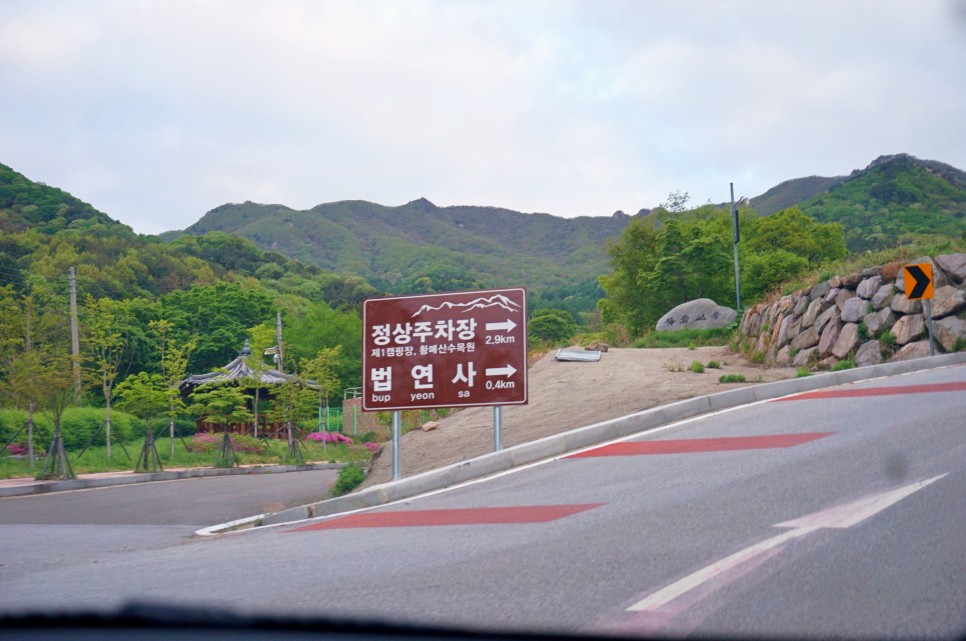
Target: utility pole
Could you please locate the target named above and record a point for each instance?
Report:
(735, 238)
(278, 338)
(74, 336)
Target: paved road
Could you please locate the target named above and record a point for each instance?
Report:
(816, 516)
(195, 502)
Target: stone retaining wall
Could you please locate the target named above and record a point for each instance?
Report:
(864, 316)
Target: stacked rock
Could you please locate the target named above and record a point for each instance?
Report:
(864, 316)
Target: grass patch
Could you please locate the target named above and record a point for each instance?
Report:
(732, 378)
(857, 262)
(697, 367)
(250, 452)
(846, 364)
(713, 365)
(802, 372)
(690, 338)
(350, 477)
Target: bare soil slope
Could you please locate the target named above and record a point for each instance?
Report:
(565, 396)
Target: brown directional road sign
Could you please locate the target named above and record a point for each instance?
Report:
(455, 349)
(918, 281)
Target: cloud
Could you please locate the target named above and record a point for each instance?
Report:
(158, 111)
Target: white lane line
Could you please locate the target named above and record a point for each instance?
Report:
(842, 516)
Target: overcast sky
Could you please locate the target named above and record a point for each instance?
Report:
(158, 111)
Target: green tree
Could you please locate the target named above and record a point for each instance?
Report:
(662, 260)
(322, 326)
(633, 257)
(43, 373)
(220, 404)
(551, 325)
(144, 395)
(219, 317)
(261, 338)
(224, 405)
(323, 370)
(109, 330)
(174, 365)
(798, 234)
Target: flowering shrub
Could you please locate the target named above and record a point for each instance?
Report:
(250, 444)
(16, 449)
(372, 446)
(205, 442)
(328, 437)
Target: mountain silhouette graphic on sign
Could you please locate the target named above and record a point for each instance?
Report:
(497, 300)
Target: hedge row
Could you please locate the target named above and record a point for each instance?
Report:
(79, 424)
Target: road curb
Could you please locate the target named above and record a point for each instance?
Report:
(30, 487)
(559, 444)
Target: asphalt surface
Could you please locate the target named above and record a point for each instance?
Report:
(719, 527)
(195, 502)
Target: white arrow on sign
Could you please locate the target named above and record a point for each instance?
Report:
(842, 516)
(506, 326)
(507, 371)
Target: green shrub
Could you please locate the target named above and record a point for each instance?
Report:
(758, 358)
(863, 331)
(77, 425)
(350, 477)
(697, 367)
(887, 338)
(713, 365)
(802, 372)
(732, 378)
(11, 420)
(687, 338)
(248, 444)
(182, 427)
(846, 364)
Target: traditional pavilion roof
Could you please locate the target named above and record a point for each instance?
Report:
(239, 370)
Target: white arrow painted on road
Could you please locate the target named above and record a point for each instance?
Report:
(506, 326)
(507, 371)
(842, 516)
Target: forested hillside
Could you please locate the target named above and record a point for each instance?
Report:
(419, 247)
(893, 201)
(215, 290)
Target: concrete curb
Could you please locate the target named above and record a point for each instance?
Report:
(560, 444)
(29, 486)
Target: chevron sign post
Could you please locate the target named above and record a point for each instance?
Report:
(920, 286)
(918, 281)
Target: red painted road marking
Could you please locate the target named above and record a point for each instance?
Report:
(958, 386)
(471, 516)
(685, 446)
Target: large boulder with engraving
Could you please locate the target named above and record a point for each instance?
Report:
(702, 313)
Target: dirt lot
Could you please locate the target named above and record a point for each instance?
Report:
(564, 396)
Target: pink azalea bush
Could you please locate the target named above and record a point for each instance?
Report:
(16, 449)
(206, 442)
(329, 437)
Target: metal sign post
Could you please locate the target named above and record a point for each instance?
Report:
(735, 238)
(396, 444)
(927, 304)
(497, 428)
